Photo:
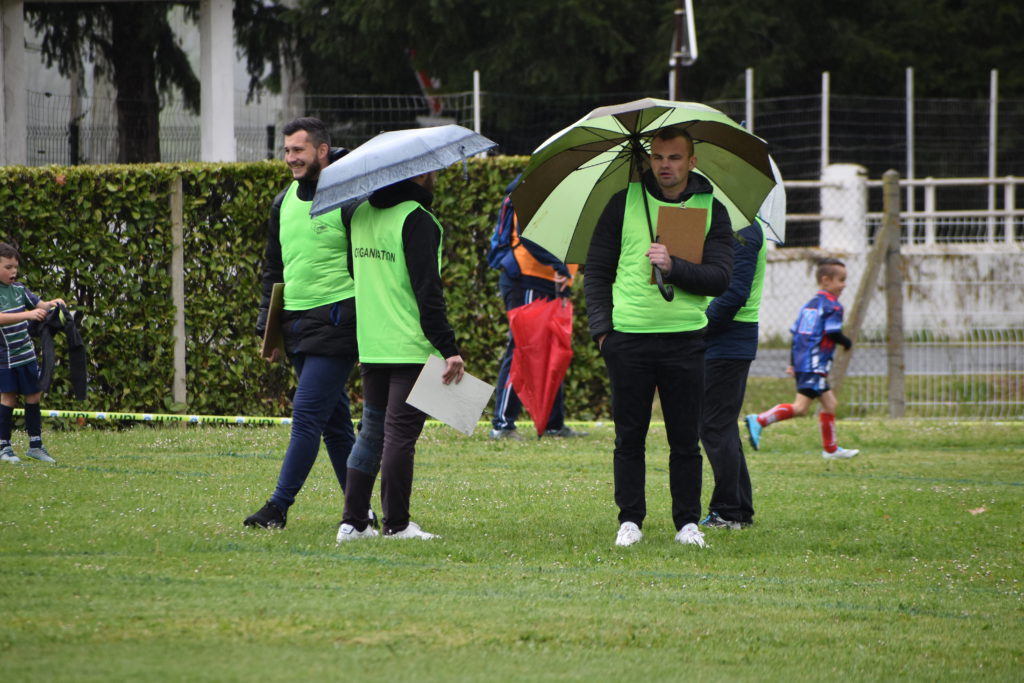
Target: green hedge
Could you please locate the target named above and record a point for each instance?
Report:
(99, 236)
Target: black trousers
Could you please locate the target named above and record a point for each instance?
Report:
(672, 364)
(385, 388)
(725, 383)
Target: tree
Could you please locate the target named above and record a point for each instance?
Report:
(547, 47)
(550, 47)
(135, 43)
(865, 45)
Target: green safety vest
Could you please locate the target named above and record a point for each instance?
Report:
(749, 312)
(314, 251)
(637, 305)
(389, 328)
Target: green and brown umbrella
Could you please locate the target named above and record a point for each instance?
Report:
(570, 177)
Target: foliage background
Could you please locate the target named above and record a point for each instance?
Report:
(100, 237)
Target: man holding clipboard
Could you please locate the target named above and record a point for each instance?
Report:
(308, 313)
(652, 340)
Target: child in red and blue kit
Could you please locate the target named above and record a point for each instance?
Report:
(816, 332)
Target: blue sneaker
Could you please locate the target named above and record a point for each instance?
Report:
(754, 431)
(40, 453)
(7, 455)
(716, 521)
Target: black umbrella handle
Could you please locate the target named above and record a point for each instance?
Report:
(667, 292)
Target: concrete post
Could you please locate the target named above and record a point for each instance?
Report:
(13, 114)
(844, 206)
(217, 77)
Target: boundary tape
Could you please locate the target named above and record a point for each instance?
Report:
(163, 417)
(254, 420)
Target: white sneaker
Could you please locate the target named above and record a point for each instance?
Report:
(840, 453)
(691, 535)
(7, 455)
(629, 533)
(347, 532)
(413, 531)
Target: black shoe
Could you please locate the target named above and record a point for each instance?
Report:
(268, 517)
(716, 521)
(566, 432)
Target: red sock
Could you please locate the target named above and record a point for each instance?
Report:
(828, 431)
(783, 411)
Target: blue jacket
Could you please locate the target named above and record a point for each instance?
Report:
(727, 338)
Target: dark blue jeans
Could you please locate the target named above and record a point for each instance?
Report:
(319, 408)
(506, 404)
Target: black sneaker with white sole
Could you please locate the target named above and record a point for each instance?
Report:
(267, 517)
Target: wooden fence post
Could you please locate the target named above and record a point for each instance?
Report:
(876, 257)
(894, 294)
(179, 388)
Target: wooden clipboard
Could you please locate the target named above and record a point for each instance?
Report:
(682, 230)
(272, 336)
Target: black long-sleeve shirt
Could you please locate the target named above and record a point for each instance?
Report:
(710, 277)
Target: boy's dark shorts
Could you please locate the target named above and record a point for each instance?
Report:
(811, 384)
(23, 379)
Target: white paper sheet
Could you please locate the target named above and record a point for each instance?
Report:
(457, 405)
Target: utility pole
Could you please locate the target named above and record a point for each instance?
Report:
(684, 47)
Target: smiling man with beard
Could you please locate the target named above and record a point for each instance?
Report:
(318, 320)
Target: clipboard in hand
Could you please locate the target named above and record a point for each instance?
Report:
(272, 336)
(682, 230)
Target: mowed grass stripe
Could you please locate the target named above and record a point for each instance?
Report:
(128, 561)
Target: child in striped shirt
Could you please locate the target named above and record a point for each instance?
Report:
(19, 370)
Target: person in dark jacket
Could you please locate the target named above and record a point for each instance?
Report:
(731, 346)
(318, 320)
(649, 343)
(396, 263)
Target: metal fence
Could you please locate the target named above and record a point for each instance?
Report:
(951, 371)
(947, 137)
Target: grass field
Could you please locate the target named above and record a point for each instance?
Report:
(128, 561)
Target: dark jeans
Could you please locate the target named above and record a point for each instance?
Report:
(672, 364)
(506, 404)
(385, 388)
(725, 383)
(319, 408)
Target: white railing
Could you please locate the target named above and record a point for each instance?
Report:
(931, 217)
(848, 220)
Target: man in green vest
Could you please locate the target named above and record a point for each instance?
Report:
(649, 343)
(731, 346)
(318, 321)
(396, 263)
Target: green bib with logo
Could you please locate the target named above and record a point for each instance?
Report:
(389, 328)
(314, 251)
(749, 312)
(637, 305)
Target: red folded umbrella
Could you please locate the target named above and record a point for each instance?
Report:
(542, 331)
